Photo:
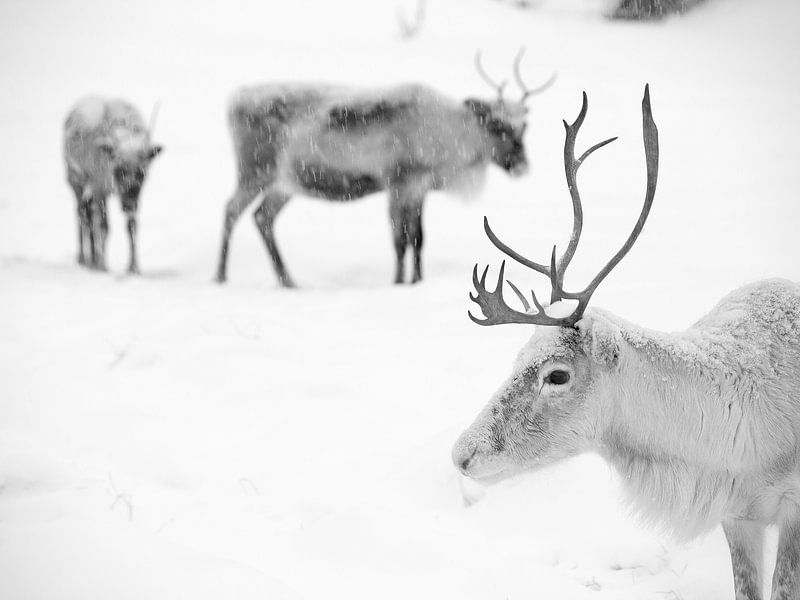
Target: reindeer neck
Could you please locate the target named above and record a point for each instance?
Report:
(666, 428)
(672, 395)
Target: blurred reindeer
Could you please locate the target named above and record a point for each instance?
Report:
(342, 144)
(107, 150)
(703, 425)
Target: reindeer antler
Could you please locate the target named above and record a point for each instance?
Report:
(485, 76)
(151, 125)
(493, 304)
(526, 91)
(499, 87)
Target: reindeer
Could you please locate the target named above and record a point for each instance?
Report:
(702, 425)
(107, 150)
(341, 144)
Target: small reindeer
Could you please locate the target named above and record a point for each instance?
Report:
(341, 144)
(107, 150)
(703, 425)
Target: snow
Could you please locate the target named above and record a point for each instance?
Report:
(561, 309)
(166, 437)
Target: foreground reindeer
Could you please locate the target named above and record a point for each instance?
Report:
(107, 150)
(703, 426)
(341, 144)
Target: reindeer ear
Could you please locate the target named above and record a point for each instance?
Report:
(602, 340)
(154, 151)
(481, 108)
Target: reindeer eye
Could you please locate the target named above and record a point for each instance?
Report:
(557, 377)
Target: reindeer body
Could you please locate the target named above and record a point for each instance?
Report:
(702, 425)
(107, 150)
(341, 144)
(365, 145)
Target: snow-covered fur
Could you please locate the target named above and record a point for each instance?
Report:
(341, 144)
(702, 425)
(107, 150)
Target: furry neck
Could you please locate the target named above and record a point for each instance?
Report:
(674, 425)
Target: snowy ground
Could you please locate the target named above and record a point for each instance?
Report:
(165, 437)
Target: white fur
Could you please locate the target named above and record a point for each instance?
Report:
(704, 425)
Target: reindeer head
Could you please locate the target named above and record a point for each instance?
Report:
(547, 409)
(505, 120)
(130, 153)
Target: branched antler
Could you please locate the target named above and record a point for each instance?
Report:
(151, 125)
(493, 304)
(543, 269)
(408, 28)
(650, 136)
(495, 308)
(498, 87)
(526, 91)
(571, 166)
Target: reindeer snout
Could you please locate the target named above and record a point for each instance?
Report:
(463, 453)
(476, 457)
(520, 169)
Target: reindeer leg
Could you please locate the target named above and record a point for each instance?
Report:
(103, 232)
(265, 219)
(241, 199)
(133, 265)
(129, 206)
(397, 216)
(92, 251)
(406, 196)
(786, 578)
(745, 539)
(83, 233)
(88, 243)
(83, 224)
(414, 232)
(98, 228)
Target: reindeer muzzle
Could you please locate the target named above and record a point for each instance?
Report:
(471, 456)
(520, 169)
